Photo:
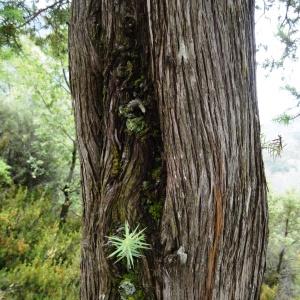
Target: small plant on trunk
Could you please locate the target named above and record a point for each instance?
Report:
(129, 246)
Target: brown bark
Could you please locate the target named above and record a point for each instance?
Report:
(166, 115)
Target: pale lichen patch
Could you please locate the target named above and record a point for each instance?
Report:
(183, 53)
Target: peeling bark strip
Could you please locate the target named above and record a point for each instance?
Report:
(214, 251)
(180, 75)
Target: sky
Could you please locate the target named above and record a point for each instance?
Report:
(283, 172)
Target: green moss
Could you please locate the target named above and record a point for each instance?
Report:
(155, 210)
(125, 112)
(129, 68)
(156, 174)
(116, 163)
(129, 288)
(131, 276)
(121, 72)
(153, 205)
(126, 289)
(136, 125)
(138, 295)
(146, 185)
(138, 82)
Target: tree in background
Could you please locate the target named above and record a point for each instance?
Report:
(283, 264)
(37, 134)
(22, 149)
(168, 134)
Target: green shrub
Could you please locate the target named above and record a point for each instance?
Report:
(37, 259)
(268, 293)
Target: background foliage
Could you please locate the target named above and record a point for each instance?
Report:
(282, 276)
(38, 260)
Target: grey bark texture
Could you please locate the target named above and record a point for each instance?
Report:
(166, 114)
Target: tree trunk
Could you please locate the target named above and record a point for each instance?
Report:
(66, 189)
(282, 252)
(169, 138)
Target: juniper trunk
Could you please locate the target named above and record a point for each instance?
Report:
(169, 138)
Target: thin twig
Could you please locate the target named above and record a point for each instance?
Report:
(42, 10)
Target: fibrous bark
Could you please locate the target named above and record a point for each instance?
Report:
(166, 117)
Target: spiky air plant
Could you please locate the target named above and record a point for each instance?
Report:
(129, 246)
